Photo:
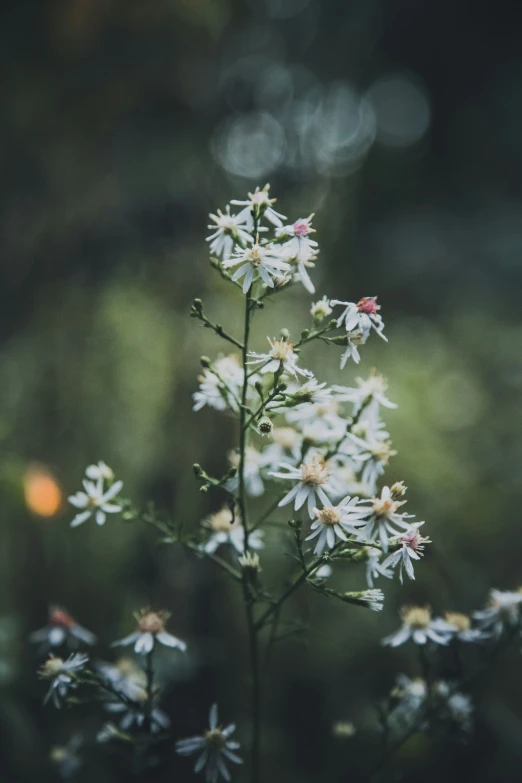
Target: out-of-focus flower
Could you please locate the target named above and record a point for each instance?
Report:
(281, 358)
(61, 629)
(214, 747)
(259, 204)
(99, 471)
(124, 676)
(374, 568)
(226, 528)
(220, 385)
(418, 625)
(137, 714)
(369, 393)
(501, 613)
(61, 674)
(463, 631)
(312, 481)
(66, 757)
(151, 629)
(343, 729)
(362, 316)
(254, 464)
(95, 500)
(256, 262)
(226, 232)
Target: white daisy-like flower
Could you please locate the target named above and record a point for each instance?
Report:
(333, 522)
(312, 482)
(256, 262)
(137, 715)
(95, 500)
(374, 452)
(363, 316)
(411, 545)
(369, 393)
(62, 629)
(310, 391)
(501, 613)
(383, 519)
(258, 202)
(286, 444)
(150, 630)
(215, 748)
(411, 691)
(321, 310)
(220, 385)
(280, 358)
(226, 528)
(319, 422)
(61, 674)
(462, 629)
(353, 340)
(300, 248)
(227, 230)
(124, 676)
(418, 625)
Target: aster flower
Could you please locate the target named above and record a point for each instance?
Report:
(214, 747)
(460, 707)
(227, 230)
(333, 522)
(281, 358)
(67, 758)
(95, 501)
(321, 310)
(411, 545)
(374, 451)
(310, 391)
(61, 629)
(260, 203)
(411, 691)
(369, 393)
(319, 422)
(150, 630)
(462, 629)
(418, 625)
(374, 568)
(286, 444)
(312, 480)
(362, 316)
(136, 715)
(61, 675)
(220, 385)
(124, 676)
(256, 262)
(384, 519)
(226, 528)
(254, 463)
(300, 248)
(501, 613)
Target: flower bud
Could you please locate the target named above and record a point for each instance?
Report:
(398, 490)
(265, 426)
(205, 361)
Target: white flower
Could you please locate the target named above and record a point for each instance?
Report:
(151, 629)
(411, 692)
(411, 548)
(256, 261)
(220, 385)
(319, 422)
(100, 470)
(95, 500)
(124, 676)
(300, 248)
(61, 673)
(259, 202)
(362, 316)
(353, 339)
(462, 629)
(321, 310)
(312, 480)
(502, 612)
(383, 519)
(460, 706)
(227, 230)
(374, 452)
(214, 747)
(374, 568)
(67, 758)
(227, 529)
(372, 599)
(136, 715)
(417, 625)
(280, 359)
(369, 393)
(287, 443)
(333, 522)
(310, 391)
(62, 629)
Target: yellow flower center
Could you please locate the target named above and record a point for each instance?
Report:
(459, 620)
(215, 738)
(281, 350)
(417, 617)
(152, 622)
(329, 516)
(314, 473)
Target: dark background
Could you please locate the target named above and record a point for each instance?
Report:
(125, 123)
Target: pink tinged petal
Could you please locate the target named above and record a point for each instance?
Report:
(170, 641)
(213, 716)
(79, 519)
(144, 643)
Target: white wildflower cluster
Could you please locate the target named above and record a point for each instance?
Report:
(98, 496)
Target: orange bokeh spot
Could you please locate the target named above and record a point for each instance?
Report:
(43, 495)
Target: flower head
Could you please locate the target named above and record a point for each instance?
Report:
(226, 528)
(227, 230)
(418, 625)
(312, 479)
(281, 358)
(259, 205)
(151, 629)
(61, 674)
(321, 310)
(300, 248)
(95, 499)
(61, 629)
(215, 748)
(256, 262)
